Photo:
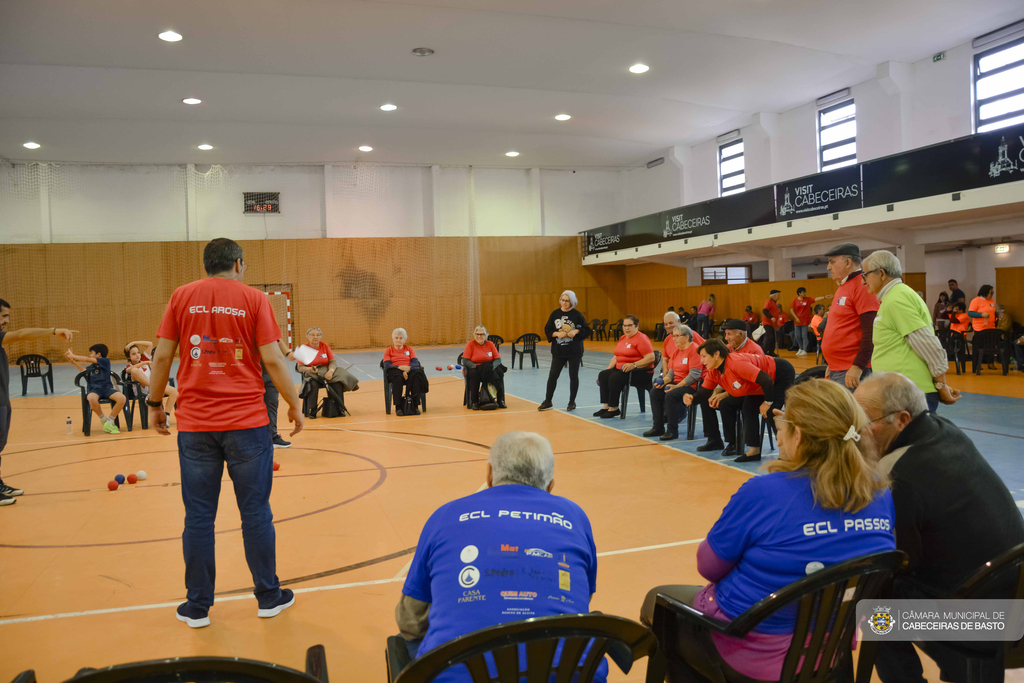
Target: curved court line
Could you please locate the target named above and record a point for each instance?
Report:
(380, 481)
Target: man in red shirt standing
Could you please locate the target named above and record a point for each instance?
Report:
(801, 312)
(846, 343)
(223, 329)
(770, 320)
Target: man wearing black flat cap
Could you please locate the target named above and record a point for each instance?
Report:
(847, 341)
(769, 318)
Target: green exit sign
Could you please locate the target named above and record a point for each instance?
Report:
(939, 57)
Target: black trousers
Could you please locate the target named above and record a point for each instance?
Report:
(767, 340)
(474, 379)
(750, 406)
(612, 381)
(665, 408)
(5, 427)
(397, 382)
(556, 370)
(271, 397)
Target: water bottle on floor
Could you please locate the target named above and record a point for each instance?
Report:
(70, 429)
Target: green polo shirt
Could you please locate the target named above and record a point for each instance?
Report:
(901, 311)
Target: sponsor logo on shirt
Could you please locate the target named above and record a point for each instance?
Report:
(563, 563)
(469, 576)
(226, 340)
(476, 514)
(553, 518)
(537, 552)
(736, 385)
(195, 352)
(195, 339)
(868, 524)
(238, 354)
(224, 310)
(506, 548)
(472, 596)
(564, 581)
(323, 355)
(209, 352)
(500, 573)
(628, 345)
(518, 595)
(469, 553)
(561, 598)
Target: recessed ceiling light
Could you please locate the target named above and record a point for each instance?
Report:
(639, 68)
(170, 36)
(562, 117)
(32, 145)
(365, 148)
(205, 147)
(192, 100)
(388, 107)
(423, 52)
(511, 154)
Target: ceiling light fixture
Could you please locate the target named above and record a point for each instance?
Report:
(192, 100)
(511, 154)
(388, 107)
(562, 117)
(205, 147)
(32, 145)
(639, 68)
(422, 52)
(170, 36)
(365, 148)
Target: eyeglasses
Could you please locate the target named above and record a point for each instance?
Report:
(883, 417)
(864, 276)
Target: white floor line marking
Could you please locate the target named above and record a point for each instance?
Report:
(398, 438)
(314, 589)
(641, 439)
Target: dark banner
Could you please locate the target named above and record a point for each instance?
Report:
(632, 233)
(813, 195)
(977, 161)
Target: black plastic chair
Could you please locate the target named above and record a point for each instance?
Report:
(387, 392)
(202, 669)
(595, 325)
(990, 342)
(31, 365)
(641, 391)
(985, 583)
(787, 336)
(659, 332)
(616, 330)
(624, 641)
(529, 346)
(87, 409)
(135, 400)
(498, 341)
(826, 622)
(955, 345)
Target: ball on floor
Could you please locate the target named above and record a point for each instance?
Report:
(112, 485)
(277, 466)
(141, 474)
(451, 367)
(119, 479)
(439, 368)
(132, 478)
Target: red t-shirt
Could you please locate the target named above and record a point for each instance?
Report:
(478, 353)
(841, 342)
(669, 349)
(324, 355)
(683, 361)
(815, 321)
(959, 322)
(781, 319)
(632, 349)
(219, 325)
(749, 318)
(399, 358)
(802, 308)
(750, 347)
(738, 374)
(773, 308)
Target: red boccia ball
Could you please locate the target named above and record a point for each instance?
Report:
(277, 466)
(132, 478)
(439, 367)
(112, 485)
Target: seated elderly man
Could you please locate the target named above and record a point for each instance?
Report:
(483, 367)
(953, 513)
(682, 370)
(735, 332)
(324, 366)
(494, 556)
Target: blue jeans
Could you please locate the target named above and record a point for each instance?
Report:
(701, 324)
(933, 401)
(249, 454)
(801, 336)
(839, 376)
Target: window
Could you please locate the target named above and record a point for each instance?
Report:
(999, 86)
(725, 275)
(837, 136)
(731, 175)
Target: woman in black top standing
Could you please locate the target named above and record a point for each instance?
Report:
(566, 330)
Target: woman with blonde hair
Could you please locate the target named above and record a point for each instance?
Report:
(821, 503)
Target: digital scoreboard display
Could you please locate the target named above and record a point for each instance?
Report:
(261, 202)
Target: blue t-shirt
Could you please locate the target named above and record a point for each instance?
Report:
(97, 375)
(507, 553)
(775, 533)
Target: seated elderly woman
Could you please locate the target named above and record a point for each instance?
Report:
(323, 370)
(403, 370)
(824, 479)
(633, 352)
(483, 367)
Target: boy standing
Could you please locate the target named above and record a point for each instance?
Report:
(98, 381)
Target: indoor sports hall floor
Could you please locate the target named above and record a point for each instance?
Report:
(91, 577)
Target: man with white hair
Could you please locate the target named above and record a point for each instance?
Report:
(953, 513)
(512, 551)
(668, 348)
(904, 340)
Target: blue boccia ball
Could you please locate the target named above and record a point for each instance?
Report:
(119, 479)
(458, 367)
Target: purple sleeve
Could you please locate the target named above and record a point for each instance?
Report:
(867, 346)
(711, 566)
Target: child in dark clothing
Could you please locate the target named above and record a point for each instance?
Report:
(97, 369)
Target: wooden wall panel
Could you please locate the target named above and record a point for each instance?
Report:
(917, 282)
(1010, 291)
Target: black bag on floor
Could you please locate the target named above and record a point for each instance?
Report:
(410, 404)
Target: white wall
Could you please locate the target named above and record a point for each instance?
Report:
(217, 194)
(971, 268)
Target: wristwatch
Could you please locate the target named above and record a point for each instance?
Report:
(940, 386)
(154, 404)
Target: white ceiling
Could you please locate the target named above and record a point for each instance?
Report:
(301, 81)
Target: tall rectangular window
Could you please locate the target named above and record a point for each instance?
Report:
(837, 136)
(999, 86)
(732, 177)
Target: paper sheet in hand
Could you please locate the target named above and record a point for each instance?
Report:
(305, 354)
